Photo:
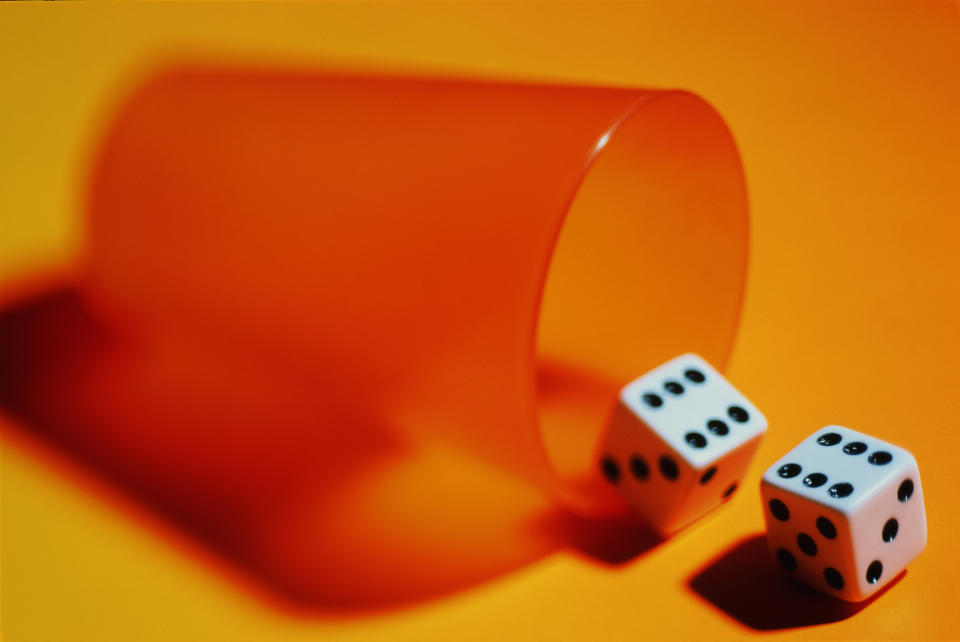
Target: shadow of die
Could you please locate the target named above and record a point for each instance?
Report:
(744, 583)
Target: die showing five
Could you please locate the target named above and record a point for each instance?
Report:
(844, 512)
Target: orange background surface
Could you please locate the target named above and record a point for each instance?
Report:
(846, 117)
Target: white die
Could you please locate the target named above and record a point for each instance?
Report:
(679, 441)
(844, 512)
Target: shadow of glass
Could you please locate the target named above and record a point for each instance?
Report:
(611, 541)
(330, 511)
(744, 583)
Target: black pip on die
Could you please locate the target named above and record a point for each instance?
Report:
(844, 512)
(679, 442)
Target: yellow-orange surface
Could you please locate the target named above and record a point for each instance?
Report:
(847, 120)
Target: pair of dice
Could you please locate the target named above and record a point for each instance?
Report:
(844, 511)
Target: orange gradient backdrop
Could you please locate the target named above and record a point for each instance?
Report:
(846, 121)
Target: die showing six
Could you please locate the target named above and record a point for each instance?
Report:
(679, 441)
